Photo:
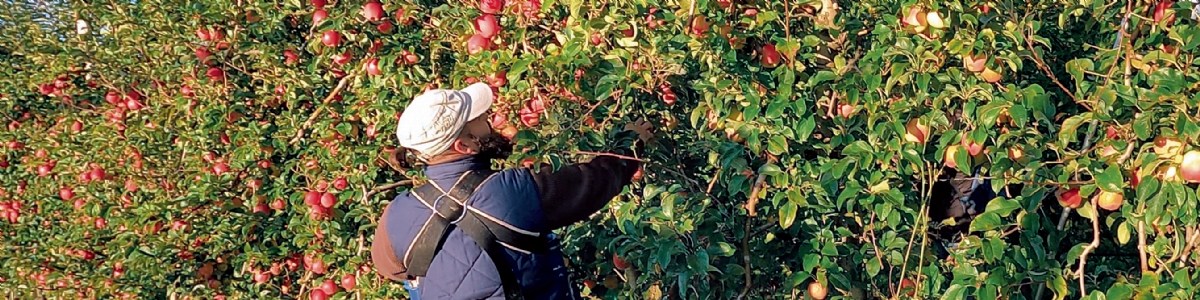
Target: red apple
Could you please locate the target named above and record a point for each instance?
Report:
(312, 198)
(202, 53)
(491, 6)
(399, 16)
(131, 185)
(478, 43)
(385, 27)
(319, 15)
(328, 200)
(331, 38)
(101, 223)
(187, 91)
(597, 39)
(487, 25)
(317, 266)
(372, 11)
(44, 170)
(372, 67)
(278, 204)
(916, 132)
(845, 110)
(1110, 201)
(349, 282)
(908, 287)
(329, 287)
(619, 262)
(817, 291)
(318, 3)
(342, 58)
(290, 57)
(202, 33)
(1070, 198)
(214, 74)
(699, 25)
(318, 294)
(972, 147)
(262, 277)
(1189, 169)
(1111, 132)
(498, 79)
(66, 193)
(340, 183)
(1161, 9)
(220, 168)
(77, 126)
(769, 57)
(262, 208)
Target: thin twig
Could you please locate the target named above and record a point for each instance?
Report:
(386, 187)
(1191, 238)
(312, 118)
(611, 155)
(752, 203)
(1142, 245)
(746, 260)
(1091, 246)
(713, 182)
(1041, 64)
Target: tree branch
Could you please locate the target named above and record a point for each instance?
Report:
(1142, 245)
(1041, 64)
(386, 187)
(1091, 246)
(313, 118)
(752, 203)
(611, 155)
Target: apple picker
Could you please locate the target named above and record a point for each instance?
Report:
(472, 232)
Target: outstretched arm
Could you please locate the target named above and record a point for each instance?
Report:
(575, 192)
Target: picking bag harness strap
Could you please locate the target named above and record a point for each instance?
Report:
(451, 209)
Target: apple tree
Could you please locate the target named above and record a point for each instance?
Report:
(241, 149)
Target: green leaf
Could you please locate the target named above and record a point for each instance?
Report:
(787, 214)
(858, 148)
(1110, 179)
(777, 145)
(1067, 133)
(985, 221)
(1123, 233)
(1002, 206)
(955, 292)
(786, 81)
(1077, 67)
(821, 76)
(1119, 292)
(605, 86)
(805, 129)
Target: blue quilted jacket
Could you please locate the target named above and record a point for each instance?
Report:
(462, 270)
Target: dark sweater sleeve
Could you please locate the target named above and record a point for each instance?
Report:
(383, 256)
(575, 192)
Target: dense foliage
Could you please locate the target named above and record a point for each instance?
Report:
(205, 149)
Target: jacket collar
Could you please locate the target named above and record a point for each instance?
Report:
(453, 169)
